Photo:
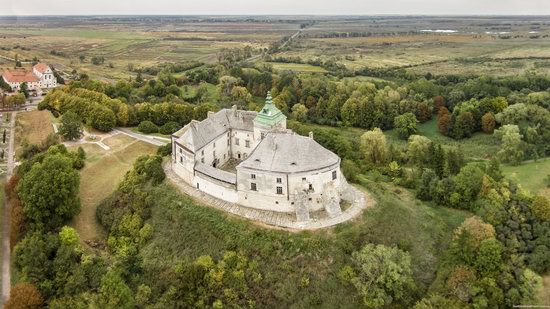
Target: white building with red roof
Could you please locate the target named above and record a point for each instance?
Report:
(41, 77)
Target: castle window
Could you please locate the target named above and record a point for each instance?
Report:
(333, 175)
(279, 190)
(310, 186)
(303, 178)
(214, 145)
(202, 152)
(253, 187)
(247, 143)
(214, 153)
(228, 142)
(181, 160)
(253, 176)
(237, 141)
(202, 160)
(279, 180)
(181, 150)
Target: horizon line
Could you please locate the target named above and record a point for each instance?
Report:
(276, 15)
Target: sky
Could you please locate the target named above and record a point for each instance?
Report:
(274, 7)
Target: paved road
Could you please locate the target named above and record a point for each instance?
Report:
(155, 140)
(6, 274)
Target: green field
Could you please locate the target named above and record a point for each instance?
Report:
(297, 67)
(532, 175)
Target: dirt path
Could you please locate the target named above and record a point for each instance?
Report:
(6, 254)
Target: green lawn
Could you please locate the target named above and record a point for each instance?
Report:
(478, 147)
(531, 175)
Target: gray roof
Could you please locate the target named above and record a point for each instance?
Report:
(216, 173)
(287, 152)
(197, 134)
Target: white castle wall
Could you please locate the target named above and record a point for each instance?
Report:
(216, 188)
(266, 196)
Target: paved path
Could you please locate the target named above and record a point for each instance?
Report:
(6, 274)
(277, 219)
(155, 140)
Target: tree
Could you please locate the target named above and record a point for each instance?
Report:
(24, 296)
(443, 119)
(147, 127)
(299, 112)
(49, 191)
(114, 293)
(405, 125)
(541, 208)
(439, 102)
(102, 118)
(373, 145)
(381, 275)
(464, 125)
(488, 123)
(418, 149)
(71, 126)
(512, 146)
(24, 90)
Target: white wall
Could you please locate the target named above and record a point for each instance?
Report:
(183, 163)
(215, 188)
(241, 149)
(266, 196)
(219, 147)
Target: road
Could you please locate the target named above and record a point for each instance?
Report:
(285, 43)
(6, 254)
(154, 140)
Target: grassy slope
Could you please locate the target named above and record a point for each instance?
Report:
(185, 230)
(33, 126)
(531, 175)
(102, 173)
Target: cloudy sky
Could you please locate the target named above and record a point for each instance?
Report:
(236, 7)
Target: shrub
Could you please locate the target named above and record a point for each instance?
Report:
(24, 296)
(148, 127)
(169, 128)
(165, 150)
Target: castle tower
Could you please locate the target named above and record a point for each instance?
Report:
(269, 118)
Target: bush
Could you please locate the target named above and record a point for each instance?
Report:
(147, 127)
(169, 128)
(165, 150)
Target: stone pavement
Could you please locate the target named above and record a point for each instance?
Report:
(355, 197)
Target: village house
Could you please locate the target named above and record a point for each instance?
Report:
(41, 77)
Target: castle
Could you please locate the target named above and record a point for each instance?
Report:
(252, 159)
(41, 77)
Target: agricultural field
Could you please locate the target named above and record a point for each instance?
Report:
(103, 171)
(126, 44)
(492, 46)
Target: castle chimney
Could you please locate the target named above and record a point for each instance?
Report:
(234, 109)
(210, 114)
(311, 134)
